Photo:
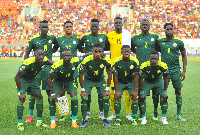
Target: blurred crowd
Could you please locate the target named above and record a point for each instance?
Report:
(185, 15)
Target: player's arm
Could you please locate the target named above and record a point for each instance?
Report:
(118, 95)
(26, 56)
(133, 46)
(184, 59)
(81, 45)
(56, 45)
(50, 84)
(142, 95)
(81, 73)
(49, 62)
(107, 45)
(165, 77)
(22, 95)
(54, 49)
(28, 49)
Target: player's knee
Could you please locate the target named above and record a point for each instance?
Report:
(74, 98)
(178, 91)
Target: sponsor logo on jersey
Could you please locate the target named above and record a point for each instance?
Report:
(100, 40)
(175, 45)
(158, 71)
(50, 41)
(101, 66)
(113, 68)
(73, 68)
(131, 67)
(74, 42)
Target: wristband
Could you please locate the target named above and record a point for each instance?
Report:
(21, 91)
(164, 92)
(141, 92)
(82, 89)
(53, 94)
(107, 88)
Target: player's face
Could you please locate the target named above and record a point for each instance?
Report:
(145, 26)
(67, 56)
(39, 56)
(126, 53)
(118, 24)
(94, 27)
(44, 28)
(97, 51)
(169, 31)
(68, 28)
(153, 58)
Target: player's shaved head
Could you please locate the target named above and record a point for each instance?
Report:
(95, 20)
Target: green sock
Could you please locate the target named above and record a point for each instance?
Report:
(117, 107)
(134, 108)
(20, 109)
(88, 103)
(52, 107)
(31, 112)
(84, 108)
(164, 106)
(39, 106)
(155, 102)
(19, 121)
(39, 118)
(179, 103)
(31, 105)
(100, 101)
(163, 115)
(74, 117)
(106, 105)
(74, 105)
(143, 108)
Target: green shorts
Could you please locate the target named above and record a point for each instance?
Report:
(30, 86)
(43, 76)
(175, 75)
(157, 87)
(100, 86)
(69, 86)
(126, 86)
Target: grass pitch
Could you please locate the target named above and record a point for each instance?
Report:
(190, 108)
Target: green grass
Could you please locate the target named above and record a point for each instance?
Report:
(190, 109)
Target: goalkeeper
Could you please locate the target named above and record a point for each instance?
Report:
(61, 79)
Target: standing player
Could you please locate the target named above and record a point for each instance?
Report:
(26, 82)
(142, 44)
(61, 79)
(45, 41)
(124, 67)
(87, 42)
(151, 72)
(169, 46)
(115, 46)
(92, 67)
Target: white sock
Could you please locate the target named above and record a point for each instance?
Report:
(53, 121)
(100, 112)
(88, 112)
(73, 121)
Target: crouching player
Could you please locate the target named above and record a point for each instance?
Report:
(26, 82)
(60, 80)
(125, 74)
(92, 67)
(151, 73)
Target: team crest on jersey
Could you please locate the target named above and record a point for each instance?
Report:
(50, 41)
(100, 40)
(42, 66)
(175, 45)
(131, 67)
(152, 39)
(101, 66)
(51, 71)
(73, 68)
(74, 42)
(158, 71)
(114, 68)
(22, 68)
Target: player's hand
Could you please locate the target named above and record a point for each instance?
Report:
(182, 76)
(83, 93)
(164, 97)
(54, 97)
(107, 93)
(143, 98)
(22, 98)
(62, 93)
(118, 96)
(134, 95)
(103, 55)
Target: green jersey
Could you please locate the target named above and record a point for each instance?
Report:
(46, 43)
(152, 74)
(88, 41)
(31, 69)
(144, 44)
(124, 70)
(71, 43)
(94, 71)
(170, 51)
(63, 73)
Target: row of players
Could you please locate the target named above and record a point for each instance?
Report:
(144, 42)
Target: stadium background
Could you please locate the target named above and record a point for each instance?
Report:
(20, 18)
(19, 22)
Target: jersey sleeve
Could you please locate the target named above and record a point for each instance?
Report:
(23, 68)
(115, 69)
(108, 65)
(181, 46)
(136, 67)
(107, 45)
(30, 45)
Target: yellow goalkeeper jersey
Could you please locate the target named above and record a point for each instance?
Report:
(115, 41)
